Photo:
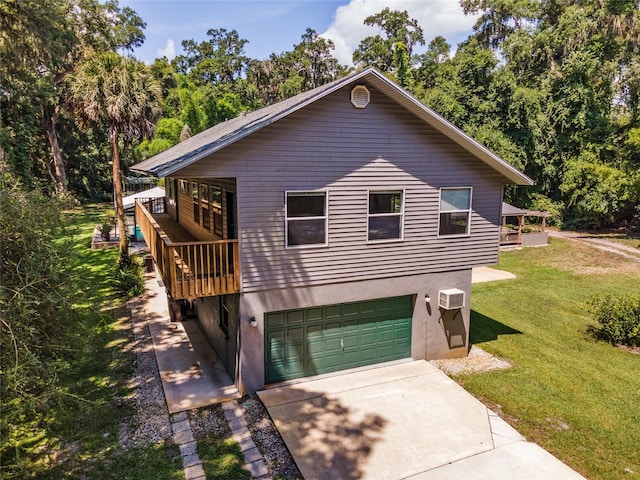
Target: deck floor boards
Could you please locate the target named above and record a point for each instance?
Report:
(175, 231)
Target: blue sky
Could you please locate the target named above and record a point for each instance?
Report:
(274, 26)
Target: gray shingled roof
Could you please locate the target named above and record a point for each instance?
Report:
(219, 136)
(511, 211)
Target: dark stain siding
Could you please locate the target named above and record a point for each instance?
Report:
(332, 146)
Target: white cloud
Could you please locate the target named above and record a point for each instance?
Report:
(168, 51)
(436, 17)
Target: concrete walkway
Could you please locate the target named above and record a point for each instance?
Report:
(488, 274)
(191, 374)
(192, 378)
(402, 421)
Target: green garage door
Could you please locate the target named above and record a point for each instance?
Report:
(310, 341)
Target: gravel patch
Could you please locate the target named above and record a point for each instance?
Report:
(476, 362)
(208, 422)
(149, 423)
(268, 440)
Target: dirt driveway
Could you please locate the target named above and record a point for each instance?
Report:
(603, 244)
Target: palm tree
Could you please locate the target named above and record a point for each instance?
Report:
(121, 94)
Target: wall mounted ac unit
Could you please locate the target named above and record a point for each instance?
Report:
(451, 298)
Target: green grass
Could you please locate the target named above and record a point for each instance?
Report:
(576, 397)
(74, 430)
(222, 459)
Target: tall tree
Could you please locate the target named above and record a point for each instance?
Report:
(400, 31)
(122, 95)
(40, 43)
(313, 61)
(310, 64)
(575, 63)
(221, 59)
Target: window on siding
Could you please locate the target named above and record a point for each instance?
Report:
(455, 211)
(171, 191)
(204, 202)
(183, 186)
(216, 206)
(224, 316)
(196, 202)
(306, 218)
(386, 212)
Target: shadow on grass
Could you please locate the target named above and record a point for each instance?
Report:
(485, 329)
(222, 459)
(70, 427)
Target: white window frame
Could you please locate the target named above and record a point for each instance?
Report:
(468, 211)
(171, 187)
(294, 219)
(401, 214)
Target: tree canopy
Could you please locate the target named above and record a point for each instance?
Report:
(120, 95)
(552, 87)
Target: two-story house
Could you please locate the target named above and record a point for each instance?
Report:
(333, 230)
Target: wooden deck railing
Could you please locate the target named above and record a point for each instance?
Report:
(189, 269)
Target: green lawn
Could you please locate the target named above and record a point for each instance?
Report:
(576, 397)
(74, 432)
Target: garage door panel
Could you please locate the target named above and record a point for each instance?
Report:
(403, 333)
(314, 314)
(333, 344)
(295, 317)
(315, 347)
(295, 350)
(333, 328)
(333, 362)
(315, 331)
(295, 367)
(332, 311)
(295, 334)
(351, 341)
(368, 354)
(275, 345)
(386, 351)
(368, 307)
(400, 350)
(275, 319)
(384, 336)
(276, 371)
(351, 325)
(350, 310)
(368, 338)
(305, 342)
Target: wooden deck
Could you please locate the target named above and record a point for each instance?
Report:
(189, 268)
(173, 229)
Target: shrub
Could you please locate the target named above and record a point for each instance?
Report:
(635, 221)
(36, 290)
(545, 204)
(619, 318)
(128, 279)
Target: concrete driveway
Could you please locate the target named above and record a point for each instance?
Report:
(402, 421)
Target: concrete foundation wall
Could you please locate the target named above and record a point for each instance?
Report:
(436, 333)
(226, 347)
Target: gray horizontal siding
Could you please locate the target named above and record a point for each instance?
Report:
(332, 146)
